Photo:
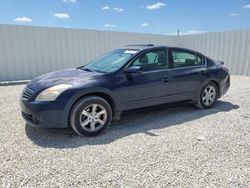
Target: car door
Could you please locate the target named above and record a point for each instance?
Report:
(150, 86)
(186, 67)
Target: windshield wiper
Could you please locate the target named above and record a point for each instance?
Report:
(86, 69)
(90, 70)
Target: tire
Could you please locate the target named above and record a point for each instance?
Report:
(90, 116)
(208, 96)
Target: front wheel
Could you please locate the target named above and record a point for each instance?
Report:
(208, 96)
(90, 116)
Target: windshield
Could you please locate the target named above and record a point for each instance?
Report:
(111, 61)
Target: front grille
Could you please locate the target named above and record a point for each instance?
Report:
(27, 93)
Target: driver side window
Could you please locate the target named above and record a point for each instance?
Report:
(154, 60)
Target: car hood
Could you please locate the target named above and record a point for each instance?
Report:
(68, 76)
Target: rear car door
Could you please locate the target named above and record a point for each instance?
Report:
(187, 67)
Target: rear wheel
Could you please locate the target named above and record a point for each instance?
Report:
(90, 116)
(208, 96)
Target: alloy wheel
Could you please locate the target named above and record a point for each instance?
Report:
(93, 117)
(209, 95)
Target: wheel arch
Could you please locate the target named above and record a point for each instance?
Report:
(203, 84)
(217, 84)
(102, 95)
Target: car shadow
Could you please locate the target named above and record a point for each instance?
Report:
(132, 122)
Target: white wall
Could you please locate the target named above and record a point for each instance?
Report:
(26, 52)
(232, 47)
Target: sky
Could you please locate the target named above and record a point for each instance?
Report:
(143, 16)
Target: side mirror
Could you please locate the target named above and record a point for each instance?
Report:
(134, 70)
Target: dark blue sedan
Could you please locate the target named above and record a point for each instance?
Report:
(89, 97)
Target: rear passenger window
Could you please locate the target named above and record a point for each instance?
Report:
(185, 59)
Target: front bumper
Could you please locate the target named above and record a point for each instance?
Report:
(45, 114)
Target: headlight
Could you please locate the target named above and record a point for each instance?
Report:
(52, 93)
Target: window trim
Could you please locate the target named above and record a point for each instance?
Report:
(148, 51)
(171, 63)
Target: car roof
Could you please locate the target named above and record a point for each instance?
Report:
(141, 47)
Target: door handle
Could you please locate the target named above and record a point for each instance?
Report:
(203, 72)
(164, 79)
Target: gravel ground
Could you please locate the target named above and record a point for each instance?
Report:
(165, 147)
